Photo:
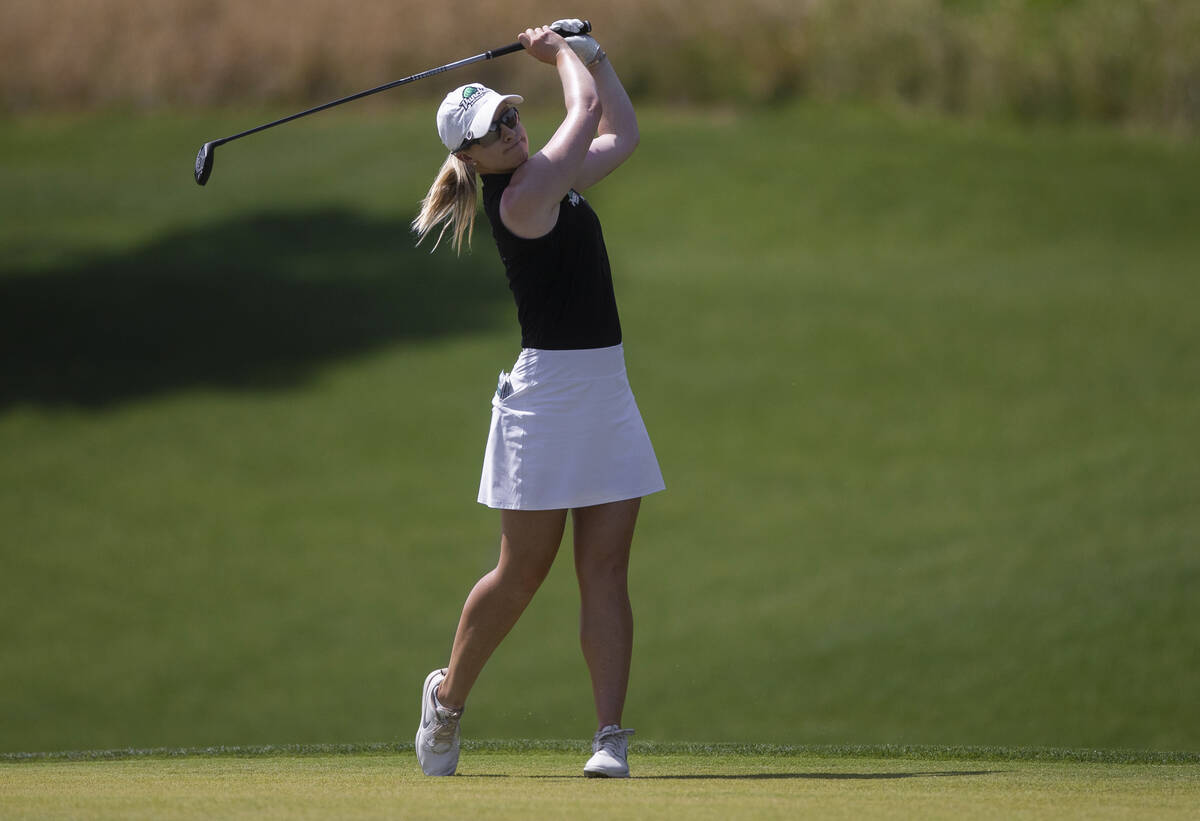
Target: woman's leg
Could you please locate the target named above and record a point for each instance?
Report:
(529, 541)
(603, 537)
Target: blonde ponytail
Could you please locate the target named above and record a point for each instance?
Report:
(451, 202)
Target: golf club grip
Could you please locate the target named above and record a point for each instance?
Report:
(500, 52)
(509, 49)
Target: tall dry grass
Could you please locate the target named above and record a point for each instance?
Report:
(1114, 60)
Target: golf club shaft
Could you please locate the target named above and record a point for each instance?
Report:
(487, 55)
(204, 157)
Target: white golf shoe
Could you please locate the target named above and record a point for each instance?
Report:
(437, 735)
(610, 753)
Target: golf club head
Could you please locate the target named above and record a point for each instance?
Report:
(204, 163)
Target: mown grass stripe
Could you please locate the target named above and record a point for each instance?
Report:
(885, 751)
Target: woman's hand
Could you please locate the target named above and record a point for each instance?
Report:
(585, 47)
(543, 44)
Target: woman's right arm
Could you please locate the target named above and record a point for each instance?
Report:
(529, 207)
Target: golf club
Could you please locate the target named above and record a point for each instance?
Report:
(204, 158)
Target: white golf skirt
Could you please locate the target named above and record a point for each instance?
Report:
(566, 432)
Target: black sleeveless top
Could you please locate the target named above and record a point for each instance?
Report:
(561, 281)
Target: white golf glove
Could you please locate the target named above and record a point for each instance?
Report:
(584, 46)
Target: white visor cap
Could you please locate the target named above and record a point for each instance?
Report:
(467, 113)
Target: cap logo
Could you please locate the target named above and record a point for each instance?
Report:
(471, 95)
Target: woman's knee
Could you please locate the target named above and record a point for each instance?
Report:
(522, 579)
(604, 576)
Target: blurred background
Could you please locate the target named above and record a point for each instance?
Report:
(908, 291)
(1030, 59)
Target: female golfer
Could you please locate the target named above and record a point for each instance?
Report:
(566, 434)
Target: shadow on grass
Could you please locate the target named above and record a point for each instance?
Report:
(257, 302)
(785, 776)
(823, 776)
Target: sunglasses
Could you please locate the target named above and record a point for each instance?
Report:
(508, 119)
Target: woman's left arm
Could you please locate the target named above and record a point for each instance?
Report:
(617, 134)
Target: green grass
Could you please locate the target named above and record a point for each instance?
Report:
(521, 780)
(925, 394)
